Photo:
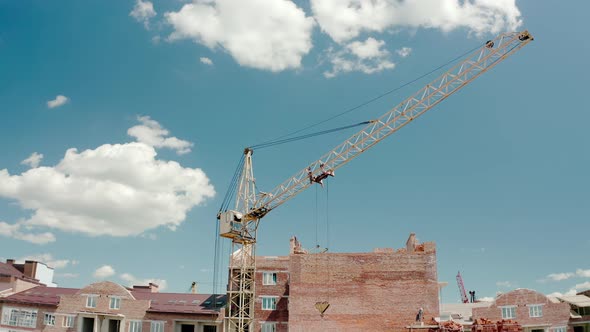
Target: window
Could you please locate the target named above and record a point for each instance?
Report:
(157, 326)
(268, 327)
(68, 321)
(19, 317)
(508, 312)
(269, 303)
(135, 326)
(535, 310)
(269, 278)
(560, 329)
(115, 303)
(49, 319)
(91, 301)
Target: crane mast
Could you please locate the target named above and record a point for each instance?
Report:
(241, 223)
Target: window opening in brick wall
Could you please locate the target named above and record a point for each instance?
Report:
(49, 319)
(269, 303)
(135, 326)
(268, 327)
(536, 310)
(91, 301)
(560, 329)
(19, 317)
(269, 278)
(68, 321)
(157, 326)
(115, 303)
(508, 312)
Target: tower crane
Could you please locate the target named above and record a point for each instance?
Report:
(240, 224)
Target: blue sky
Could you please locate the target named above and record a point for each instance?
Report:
(159, 99)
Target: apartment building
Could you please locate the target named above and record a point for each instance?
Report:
(110, 307)
(534, 311)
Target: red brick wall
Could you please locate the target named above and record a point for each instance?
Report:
(280, 265)
(366, 291)
(554, 314)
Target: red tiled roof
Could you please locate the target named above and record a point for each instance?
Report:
(40, 295)
(182, 303)
(11, 271)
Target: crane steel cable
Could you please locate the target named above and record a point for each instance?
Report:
(374, 98)
(292, 139)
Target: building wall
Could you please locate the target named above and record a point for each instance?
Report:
(280, 316)
(377, 291)
(555, 315)
(131, 309)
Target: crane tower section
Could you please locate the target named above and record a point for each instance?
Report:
(240, 224)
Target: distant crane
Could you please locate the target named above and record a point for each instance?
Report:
(240, 224)
(462, 288)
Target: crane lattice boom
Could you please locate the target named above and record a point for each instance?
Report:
(241, 224)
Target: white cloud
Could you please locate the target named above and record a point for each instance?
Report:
(370, 48)
(367, 57)
(270, 35)
(506, 284)
(206, 61)
(33, 160)
(560, 276)
(58, 101)
(67, 275)
(15, 231)
(485, 299)
(404, 52)
(583, 286)
(143, 11)
(151, 133)
(115, 189)
(567, 275)
(559, 294)
(132, 280)
(104, 272)
(48, 259)
(346, 19)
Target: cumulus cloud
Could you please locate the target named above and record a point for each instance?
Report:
(206, 61)
(404, 52)
(485, 299)
(48, 259)
(114, 189)
(67, 275)
(269, 35)
(344, 20)
(153, 134)
(58, 101)
(560, 276)
(143, 11)
(18, 232)
(581, 273)
(33, 160)
(368, 57)
(103, 272)
(559, 294)
(131, 280)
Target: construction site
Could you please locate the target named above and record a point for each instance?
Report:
(395, 288)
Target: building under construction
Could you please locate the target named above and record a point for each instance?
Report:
(376, 291)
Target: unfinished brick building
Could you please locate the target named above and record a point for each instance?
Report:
(375, 291)
(534, 311)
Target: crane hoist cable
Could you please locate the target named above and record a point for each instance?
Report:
(228, 198)
(365, 103)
